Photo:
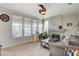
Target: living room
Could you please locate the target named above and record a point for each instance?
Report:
(25, 26)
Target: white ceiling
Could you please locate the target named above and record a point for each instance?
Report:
(32, 9)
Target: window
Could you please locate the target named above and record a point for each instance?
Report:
(16, 26)
(40, 26)
(45, 26)
(27, 27)
(34, 26)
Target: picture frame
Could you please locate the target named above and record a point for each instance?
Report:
(4, 17)
(69, 24)
(60, 27)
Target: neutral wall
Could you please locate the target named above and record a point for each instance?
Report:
(6, 39)
(54, 22)
(73, 18)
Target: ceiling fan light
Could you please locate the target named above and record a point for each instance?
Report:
(42, 10)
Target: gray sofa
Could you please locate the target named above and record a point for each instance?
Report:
(57, 48)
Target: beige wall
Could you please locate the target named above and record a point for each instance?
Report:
(6, 39)
(73, 18)
(54, 22)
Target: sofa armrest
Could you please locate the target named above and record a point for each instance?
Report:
(62, 45)
(56, 49)
(57, 45)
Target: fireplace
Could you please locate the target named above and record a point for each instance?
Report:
(55, 38)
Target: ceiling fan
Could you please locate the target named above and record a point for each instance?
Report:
(42, 9)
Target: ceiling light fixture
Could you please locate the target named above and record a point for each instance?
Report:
(42, 9)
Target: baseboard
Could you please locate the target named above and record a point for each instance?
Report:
(17, 45)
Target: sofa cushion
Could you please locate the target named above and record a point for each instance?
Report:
(57, 44)
(75, 43)
(65, 40)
